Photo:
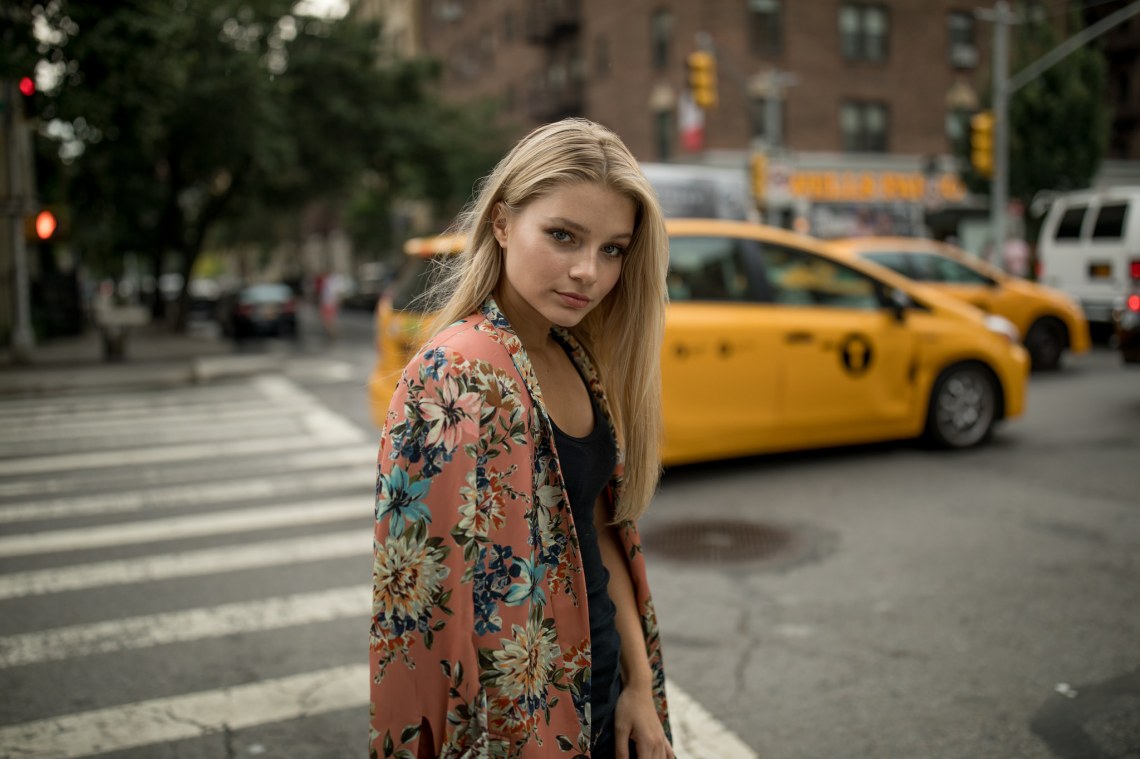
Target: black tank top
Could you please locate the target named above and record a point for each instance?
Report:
(587, 465)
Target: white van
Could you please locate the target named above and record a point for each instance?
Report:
(1090, 247)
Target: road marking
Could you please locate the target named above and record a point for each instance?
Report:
(195, 715)
(208, 561)
(324, 428)
(185, 424)
(128, 402)
(699, 735)
(291, 484)
(53, 443)
(180, 626)
(81, 482)
(178, 528)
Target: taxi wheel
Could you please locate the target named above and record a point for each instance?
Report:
(1045, 342)
(963, 407)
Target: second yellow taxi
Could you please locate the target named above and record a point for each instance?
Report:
(774, 342)
(1049, 321)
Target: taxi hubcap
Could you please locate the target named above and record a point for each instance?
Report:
(965, 407)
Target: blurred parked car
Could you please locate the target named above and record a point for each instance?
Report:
(1049, 321)
(262, 310)
(773, 342)
(1128, 324)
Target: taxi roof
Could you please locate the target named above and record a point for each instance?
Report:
(858, 245)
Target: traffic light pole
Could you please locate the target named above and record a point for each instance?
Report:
(1002, 17)
(19, 194)
(1005, 86)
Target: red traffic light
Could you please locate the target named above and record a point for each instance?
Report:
(27, 86)
(45, 224)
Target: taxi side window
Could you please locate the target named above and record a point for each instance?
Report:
(896, 262)
(798, 278)
(930, 267)
(707, 269)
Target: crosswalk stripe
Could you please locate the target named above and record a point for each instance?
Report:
(290, 484)
(186, 425)
(170, 411)
(52, 443)
(699, 735)
(193, 715)
(131, 633)
(208, 561)
(290, 461)
(324, 428)
(177, 528)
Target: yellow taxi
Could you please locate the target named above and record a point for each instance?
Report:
(773, 342)
(1049, 320)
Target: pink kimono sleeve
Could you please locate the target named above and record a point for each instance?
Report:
(425, 695)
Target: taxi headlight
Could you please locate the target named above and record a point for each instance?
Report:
(1003, 327)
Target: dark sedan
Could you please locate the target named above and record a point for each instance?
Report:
(1128, 328)
(268, 310)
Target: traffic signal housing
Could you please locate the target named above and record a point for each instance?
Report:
(702, 78)
(982, 143)
(758, 174)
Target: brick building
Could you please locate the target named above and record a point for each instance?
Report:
(869, 97)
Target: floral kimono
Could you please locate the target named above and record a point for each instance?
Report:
(480, 643)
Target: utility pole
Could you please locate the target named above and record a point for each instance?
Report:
(1002, 17)
(1005, 86)
(20, 193)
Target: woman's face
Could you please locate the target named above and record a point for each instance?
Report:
(562, 253)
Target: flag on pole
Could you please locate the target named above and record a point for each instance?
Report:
(690, 123)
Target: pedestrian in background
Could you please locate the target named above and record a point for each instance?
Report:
(330, 288)
(511, 616)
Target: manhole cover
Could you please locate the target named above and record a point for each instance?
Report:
(723, 540)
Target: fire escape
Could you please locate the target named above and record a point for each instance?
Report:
(556, 91)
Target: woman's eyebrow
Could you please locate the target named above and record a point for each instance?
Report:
(581, 229)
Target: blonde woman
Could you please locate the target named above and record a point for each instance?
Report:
(511, 615)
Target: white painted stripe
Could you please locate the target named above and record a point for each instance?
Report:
(322, 421)
(51, 443)
(200, 411)
(137, 402)
(194, 715)
(699, 735)
(291, 484)
(187, 564)
(324, 427)
(192, 624)
(178, 528)
(116, 425)
(82, 482)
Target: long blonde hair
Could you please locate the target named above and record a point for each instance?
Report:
(623, 334)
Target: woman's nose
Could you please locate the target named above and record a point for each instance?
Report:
(585, 268)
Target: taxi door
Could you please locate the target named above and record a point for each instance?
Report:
(847, 363)
(719, 374)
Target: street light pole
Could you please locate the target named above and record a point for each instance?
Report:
(1002, 17)
(19, 194)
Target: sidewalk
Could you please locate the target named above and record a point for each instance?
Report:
(154, 357)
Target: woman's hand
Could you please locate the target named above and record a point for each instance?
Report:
(635, 719)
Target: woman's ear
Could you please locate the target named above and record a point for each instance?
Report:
(499, 224)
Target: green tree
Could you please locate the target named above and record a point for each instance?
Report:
(1059, 122)
(180, 119)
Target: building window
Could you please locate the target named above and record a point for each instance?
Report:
(764, 26)
(509, 27)
(662, 36)
(963, 45)
(864, 127)
(602, 62)
(863, 32)
(663, 130)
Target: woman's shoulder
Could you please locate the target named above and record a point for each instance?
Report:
(471, 340)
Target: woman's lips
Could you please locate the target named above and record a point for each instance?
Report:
(574, 300)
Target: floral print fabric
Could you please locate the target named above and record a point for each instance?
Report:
(479, 642)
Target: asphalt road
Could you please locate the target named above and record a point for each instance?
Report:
(165, 555)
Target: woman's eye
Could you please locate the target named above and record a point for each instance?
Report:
(613, 251)
(561, 235)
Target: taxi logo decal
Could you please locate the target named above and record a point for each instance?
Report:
(856, 353)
